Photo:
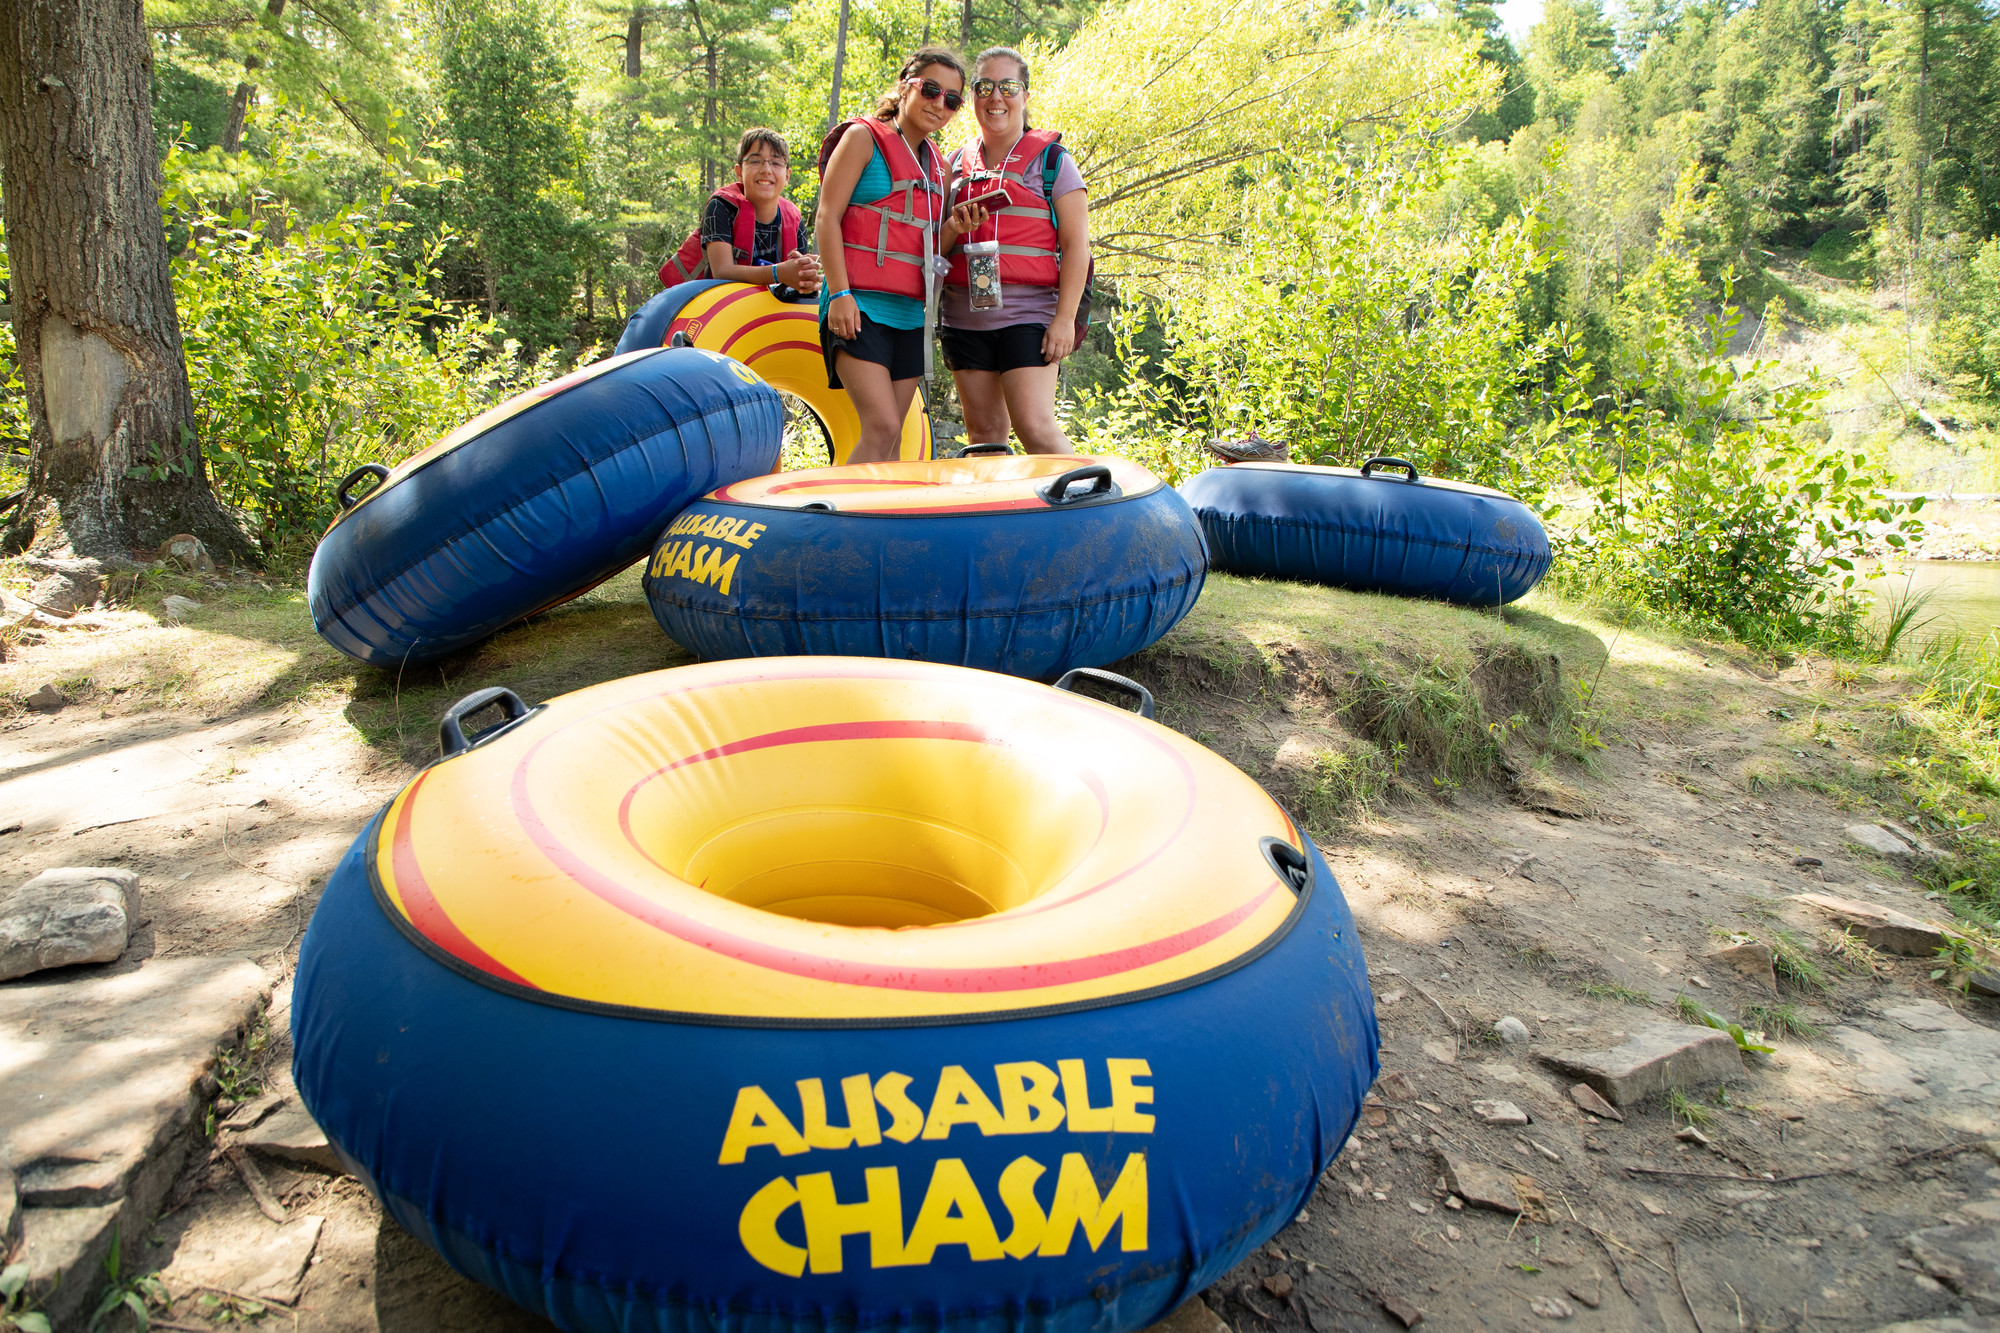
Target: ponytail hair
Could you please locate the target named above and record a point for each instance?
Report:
(885, 106)
(1008, 53)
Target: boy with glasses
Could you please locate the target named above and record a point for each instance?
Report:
(750, 232)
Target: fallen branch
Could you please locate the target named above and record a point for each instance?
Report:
(260, 1188)
(1683, 1287)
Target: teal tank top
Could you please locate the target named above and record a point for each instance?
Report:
(885, 308)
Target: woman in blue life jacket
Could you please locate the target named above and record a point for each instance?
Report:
(882, 219)
(1009, 318)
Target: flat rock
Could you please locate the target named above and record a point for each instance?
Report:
(1754, 960)
(1441, 1051)
(1882, 927)
(293, 1136)
(64, 917)
(98, 1077)
(179, 608)
(1499, 1113)
(1965, 1257)
(244, 1253)
(1481, 1186)
(1880, 841)
(1972, 1324)
(1656, 1057)
(1927, 1016)
(1190, 1316)
(1586, 1099)
(47, 699)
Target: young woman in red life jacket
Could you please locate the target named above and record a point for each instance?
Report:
(1005, 359)
(749, 231)
(881, 227)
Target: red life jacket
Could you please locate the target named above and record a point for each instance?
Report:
(691, 260)
(885, 241)
(1026, 224)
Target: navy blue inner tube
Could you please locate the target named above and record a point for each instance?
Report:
(1381, 528)
(648, 325)
(537, 507)
(1081, 578)
(567, 1156)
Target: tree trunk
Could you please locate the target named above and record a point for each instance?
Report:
(635, 42)
(839, 64)
(109, 410)
(965, 27)
(246, 91)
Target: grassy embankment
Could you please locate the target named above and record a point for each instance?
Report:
(1341, 703)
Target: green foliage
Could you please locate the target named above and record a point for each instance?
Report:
(1785, 1018)
(1357, 315)
(15, 1316)
(1968, 337)
(1712, 499)
(508, 109)
(310, 350)
(1685, 1108)
(134, 1295)
(1796, 962)
(1693, 1011)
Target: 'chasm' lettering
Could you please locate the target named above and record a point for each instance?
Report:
(953, 1212)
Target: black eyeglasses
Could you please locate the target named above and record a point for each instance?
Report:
(1005, 87)
(931, 90)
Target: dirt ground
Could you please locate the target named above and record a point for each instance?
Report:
(1687, 825)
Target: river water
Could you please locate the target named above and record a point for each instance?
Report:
(1964, 596)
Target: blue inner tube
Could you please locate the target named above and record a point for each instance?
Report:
(648, 325)
(959, 561)
(565, 1153)
(535, 501)
(1380, 528)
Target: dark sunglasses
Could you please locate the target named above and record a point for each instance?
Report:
(931, 90)
(1006, 87)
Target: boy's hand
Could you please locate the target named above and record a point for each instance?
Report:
(799, 272)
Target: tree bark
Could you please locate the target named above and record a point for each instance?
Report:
(111, 437)
(839, 67)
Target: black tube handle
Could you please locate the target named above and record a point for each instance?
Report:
(1389, 461)
(375, 470)
(680, 339)
(1292, 865)
(1057, 491)
(980, 450)
(452, 739)
(818, 507)
(1125, 685)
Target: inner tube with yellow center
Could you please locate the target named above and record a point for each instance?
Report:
(776, 338)
(817, 994)
(1026, 565)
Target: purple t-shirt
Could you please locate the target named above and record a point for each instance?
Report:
(1020, 302)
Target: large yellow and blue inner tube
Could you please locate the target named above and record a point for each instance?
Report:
(778, 339)
(1028, 565)
(533, 501)
(817, 994)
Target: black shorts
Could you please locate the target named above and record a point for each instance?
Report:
(901, 350)
(1016, 347)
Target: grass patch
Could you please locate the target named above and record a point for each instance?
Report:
(1785, 1018)
(1685, 1108)
(1853, 953)
(1798, 963)
(1611, 990)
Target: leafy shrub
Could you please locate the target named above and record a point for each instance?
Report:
(1968, 337)
(1711, 498)
(1358, 313)
(311, 349)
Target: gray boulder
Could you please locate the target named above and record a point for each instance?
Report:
(82, 914)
